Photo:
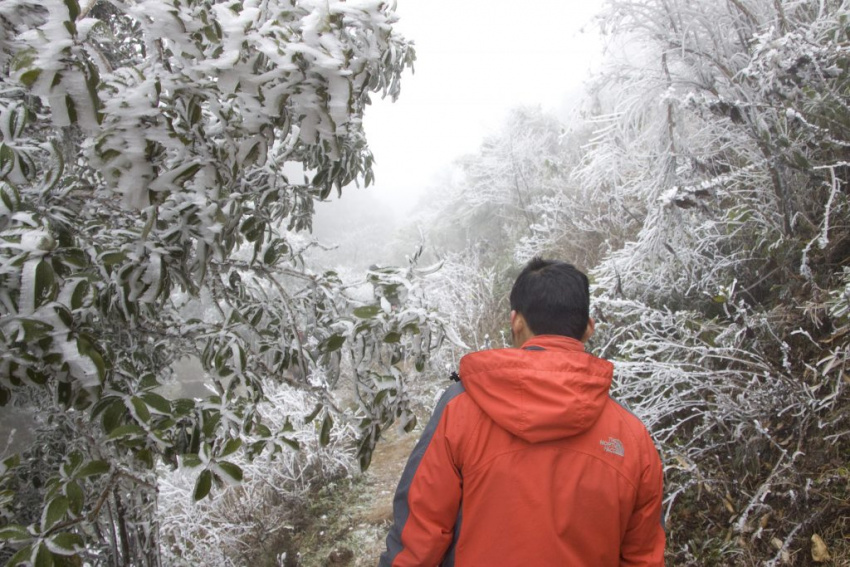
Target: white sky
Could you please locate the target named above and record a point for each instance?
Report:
(476, 59)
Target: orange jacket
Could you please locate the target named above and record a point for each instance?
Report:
(528, 461)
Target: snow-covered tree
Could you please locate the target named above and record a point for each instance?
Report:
(723, 147)
(468, 292)
(158, 160)
(488, 199)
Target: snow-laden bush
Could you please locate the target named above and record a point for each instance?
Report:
(247, 520)
(157, 159)
(725, 148)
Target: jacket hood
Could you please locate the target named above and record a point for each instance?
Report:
(548, 389)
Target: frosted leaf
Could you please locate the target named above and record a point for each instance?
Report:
(83, 369)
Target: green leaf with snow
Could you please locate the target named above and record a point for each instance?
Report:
(157, 402)
(333, 343)
(87, 349)
(43, 556)
(312, 415)
(45, 283)
(191, 460)
(7, 160)
(392, 337)
(202, 485)
(229, 470)
(76, 497)
(73, 9)
(54, 512)
(325, 432)
(367, 312)
(140, 408)
(129, 430)
(65, 543)
(230, 447)
(92, 468)
(9, 463)
(15, 533)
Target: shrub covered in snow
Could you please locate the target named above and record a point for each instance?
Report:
(158, 160)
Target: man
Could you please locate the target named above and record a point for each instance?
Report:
(527, 460)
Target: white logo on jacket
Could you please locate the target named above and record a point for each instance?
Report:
(613, 446)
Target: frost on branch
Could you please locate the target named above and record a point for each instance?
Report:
(723, 147)
(158, 159)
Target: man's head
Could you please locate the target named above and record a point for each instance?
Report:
(550, 298)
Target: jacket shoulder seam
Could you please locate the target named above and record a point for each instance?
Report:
(477, 414)
(634, 425)
(571, 449)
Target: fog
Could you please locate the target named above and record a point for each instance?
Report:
(475, 61)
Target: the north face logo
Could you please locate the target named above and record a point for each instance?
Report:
(613, 446)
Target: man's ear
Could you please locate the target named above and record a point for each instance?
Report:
(514, 322)
(518, 328)
(589, 330)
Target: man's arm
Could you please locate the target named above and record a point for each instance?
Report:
(427, 501)
(643, 544)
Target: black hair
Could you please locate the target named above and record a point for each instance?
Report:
(553, 297)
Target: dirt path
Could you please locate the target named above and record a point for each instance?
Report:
(351, 528)
(374, 507)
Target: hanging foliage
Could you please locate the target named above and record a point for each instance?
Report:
(158, 159)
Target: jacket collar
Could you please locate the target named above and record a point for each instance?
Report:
(553, 342)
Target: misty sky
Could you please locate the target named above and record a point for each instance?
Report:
(476, 59)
